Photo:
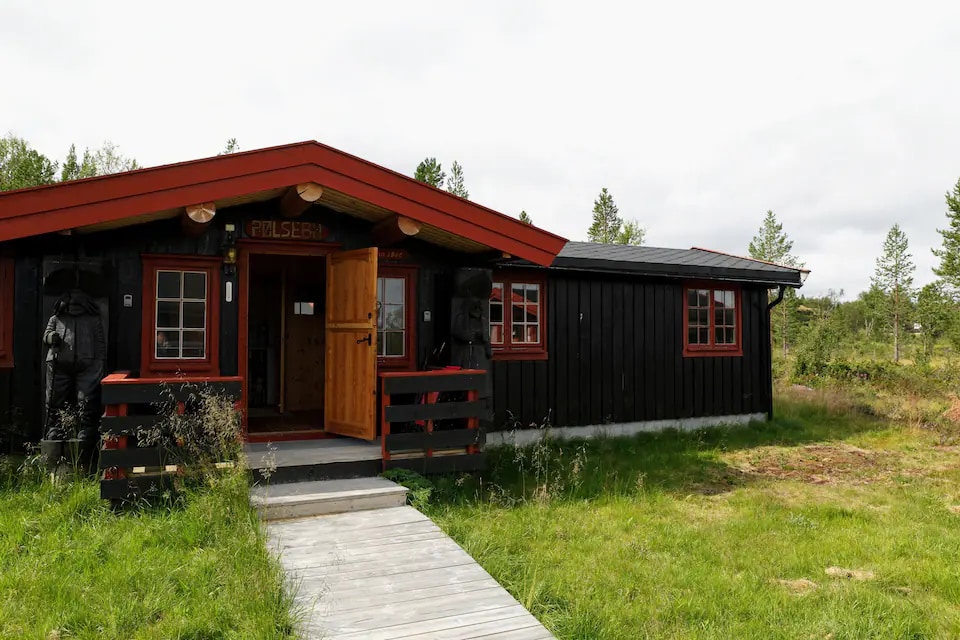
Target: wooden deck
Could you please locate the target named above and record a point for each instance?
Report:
(392, 573)
(298, 460)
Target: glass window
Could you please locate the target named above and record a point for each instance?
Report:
(516, 315)
(181, 315)
(391, 317)
(712, 317)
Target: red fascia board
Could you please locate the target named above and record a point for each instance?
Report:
(107, 198)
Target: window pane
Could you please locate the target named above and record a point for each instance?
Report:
(168, 314)
(394, 343)
(517, 333)
(518, 313)
(496, 313)
(393, 318)
(393, 290)
(193, 314)
(168, 344)
(692, 335)
(168, 284)
(533, 312)
(731, 335)
(718, 336)
(718, 298)
(704, 336)
(193, 344)
(703, 297)
(730, 299)
(718, 316)
(380, 312)
(692, 298)
(496, 334)
(533, 334)
(533, 293)
(496, 293)
(195, 285)
(704, 317)
(380, 343)
(517, 292)
(693, 317)
(730, 317)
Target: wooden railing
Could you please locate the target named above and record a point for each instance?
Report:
(130, 419)
(437, 414)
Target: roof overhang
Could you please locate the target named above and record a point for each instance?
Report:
(762, 277)
(158, 192)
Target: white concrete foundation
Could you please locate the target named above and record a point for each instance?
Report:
(524, 437)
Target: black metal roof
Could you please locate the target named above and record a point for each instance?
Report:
(684, 263)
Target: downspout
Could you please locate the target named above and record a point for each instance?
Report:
(770, 306)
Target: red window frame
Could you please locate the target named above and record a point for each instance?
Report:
(6, 311)
(712, 349)
(209, 365)
(526, 350)
(408, 360)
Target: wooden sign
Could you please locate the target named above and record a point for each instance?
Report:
(393, 255)
(284, 230)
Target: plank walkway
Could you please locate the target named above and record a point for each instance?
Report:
(392, 573)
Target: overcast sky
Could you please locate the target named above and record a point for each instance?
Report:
(843, 117)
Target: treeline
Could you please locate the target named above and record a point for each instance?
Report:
(606, 225)
(891, 320)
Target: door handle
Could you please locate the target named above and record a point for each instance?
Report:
(368, 340)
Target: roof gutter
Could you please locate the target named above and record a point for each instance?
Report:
(770, 306)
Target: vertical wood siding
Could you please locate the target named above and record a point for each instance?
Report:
(615, 354)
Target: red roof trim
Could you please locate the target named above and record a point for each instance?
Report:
(46, 209)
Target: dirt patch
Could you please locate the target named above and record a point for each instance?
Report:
(850, 574)
(954, 508)
(816, 463)
(798, 587)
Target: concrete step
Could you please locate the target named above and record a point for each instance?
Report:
(324, 497)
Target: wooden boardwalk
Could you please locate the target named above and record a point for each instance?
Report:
(392, 573)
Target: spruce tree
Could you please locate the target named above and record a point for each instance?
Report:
(894, 276)
(949, 253)
(606, 226)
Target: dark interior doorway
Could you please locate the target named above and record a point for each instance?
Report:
(285, 344)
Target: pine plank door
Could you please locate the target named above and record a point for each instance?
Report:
(351, 363)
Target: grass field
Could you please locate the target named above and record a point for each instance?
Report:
(72, 568)
(826, 523)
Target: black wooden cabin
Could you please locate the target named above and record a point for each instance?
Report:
(300, 273)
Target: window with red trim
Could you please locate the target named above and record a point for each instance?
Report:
(518, 318)
(395, 317)
(711, 321)
(181, 305)
(6, 312)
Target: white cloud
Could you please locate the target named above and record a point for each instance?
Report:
(698, 116)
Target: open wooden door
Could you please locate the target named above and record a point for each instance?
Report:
(351, 363)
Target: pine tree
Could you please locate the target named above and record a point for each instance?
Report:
(232, 147)
(949, 253)
(606, 220)
(455, 183)
(771, 244)
(894, 276)
(525, 219)
(631, 233)
(429, 171)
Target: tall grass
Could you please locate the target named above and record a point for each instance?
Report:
(188, 564)
(728, 532)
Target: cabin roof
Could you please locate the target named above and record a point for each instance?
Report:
(686, 263)
(350, 185)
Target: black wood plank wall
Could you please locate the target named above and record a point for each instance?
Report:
(615, 354)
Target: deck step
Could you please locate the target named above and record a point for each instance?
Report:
(324, 497)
